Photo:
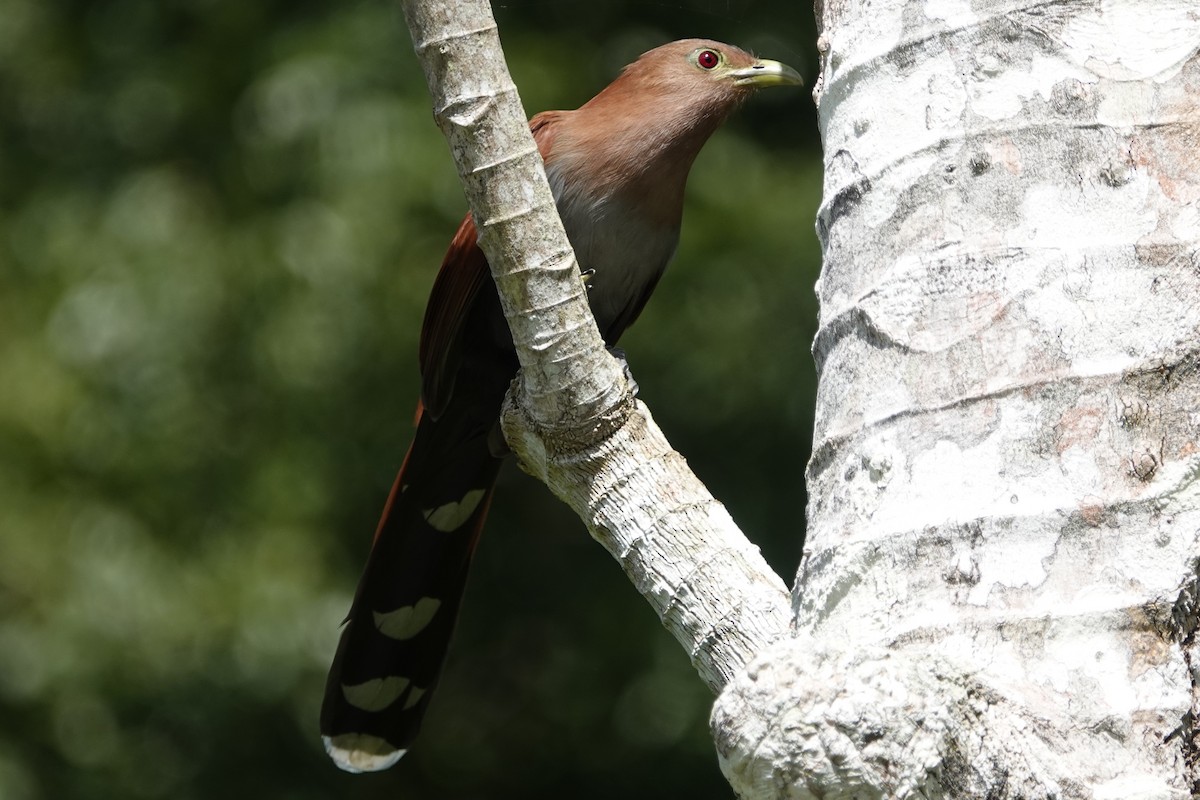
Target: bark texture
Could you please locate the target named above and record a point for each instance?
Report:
(998, 599)
(565, 368)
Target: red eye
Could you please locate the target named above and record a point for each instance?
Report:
(707, 59)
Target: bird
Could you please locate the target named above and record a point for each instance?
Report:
(617, 167)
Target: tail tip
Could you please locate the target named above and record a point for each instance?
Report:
(361, 752)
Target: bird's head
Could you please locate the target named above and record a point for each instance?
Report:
(701, 76)
(640, 135)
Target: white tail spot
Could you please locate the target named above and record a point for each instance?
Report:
(414, 697)
(451, 516)
(361, 752)
(376, 694)
(407, 621)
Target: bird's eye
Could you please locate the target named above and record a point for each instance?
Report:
(707, 59)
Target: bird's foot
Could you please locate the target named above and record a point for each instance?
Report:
(586, 276)
(619, 355)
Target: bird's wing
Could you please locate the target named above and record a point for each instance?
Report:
(463, 272)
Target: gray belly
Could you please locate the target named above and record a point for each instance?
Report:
(627, 257)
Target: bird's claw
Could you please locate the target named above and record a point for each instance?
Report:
(619, 355)
(586, 276)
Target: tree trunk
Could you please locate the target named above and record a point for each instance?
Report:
(999, 596)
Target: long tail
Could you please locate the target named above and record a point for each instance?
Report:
(396, 636)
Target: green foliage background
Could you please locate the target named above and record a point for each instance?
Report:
(219, 220)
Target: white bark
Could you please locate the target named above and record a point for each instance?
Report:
(999, 593)
(570, 416)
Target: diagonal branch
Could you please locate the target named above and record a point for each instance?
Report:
(571, 417)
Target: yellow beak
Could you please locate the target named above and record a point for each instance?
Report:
(766, 72)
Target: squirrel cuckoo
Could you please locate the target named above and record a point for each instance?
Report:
(617, 167)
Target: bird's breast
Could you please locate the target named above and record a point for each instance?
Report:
(624, 249)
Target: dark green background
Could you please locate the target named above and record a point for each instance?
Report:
(219, 220)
